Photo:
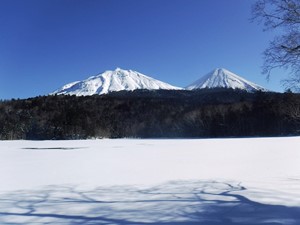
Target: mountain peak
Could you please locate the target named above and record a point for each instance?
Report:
(113, 80)
(118, 69)
(224, 78)
(221, 70)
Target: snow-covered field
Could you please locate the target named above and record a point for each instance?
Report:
(164, 182)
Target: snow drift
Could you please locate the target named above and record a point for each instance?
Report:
(167, 182)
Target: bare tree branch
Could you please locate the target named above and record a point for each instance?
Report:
(283, 51)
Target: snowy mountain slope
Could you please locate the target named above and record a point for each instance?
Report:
(109, 81)
(223, 78)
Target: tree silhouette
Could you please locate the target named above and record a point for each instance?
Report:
(284, 50)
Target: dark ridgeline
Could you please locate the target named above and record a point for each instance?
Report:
(152, 114)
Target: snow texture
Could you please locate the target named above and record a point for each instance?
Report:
(163, 182)
(224, 79)
(110, 81)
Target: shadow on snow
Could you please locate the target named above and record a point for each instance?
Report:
(174, 203)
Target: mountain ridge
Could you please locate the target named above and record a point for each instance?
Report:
(113, 80)
(223, 78)
(129, 80)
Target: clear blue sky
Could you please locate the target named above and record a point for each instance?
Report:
(45, 44)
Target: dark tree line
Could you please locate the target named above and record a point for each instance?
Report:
(146, 114)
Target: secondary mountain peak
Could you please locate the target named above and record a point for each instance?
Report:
(223, 78)
(113, 80)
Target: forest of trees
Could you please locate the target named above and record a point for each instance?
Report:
(152, 114)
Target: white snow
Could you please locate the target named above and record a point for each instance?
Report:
(125, 181)
(225, 79)
(116, 80)
(119, 79)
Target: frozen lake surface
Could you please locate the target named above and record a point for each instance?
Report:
(165, 182)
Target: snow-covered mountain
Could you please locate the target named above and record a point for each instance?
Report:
(223, 78)
(116, 80)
